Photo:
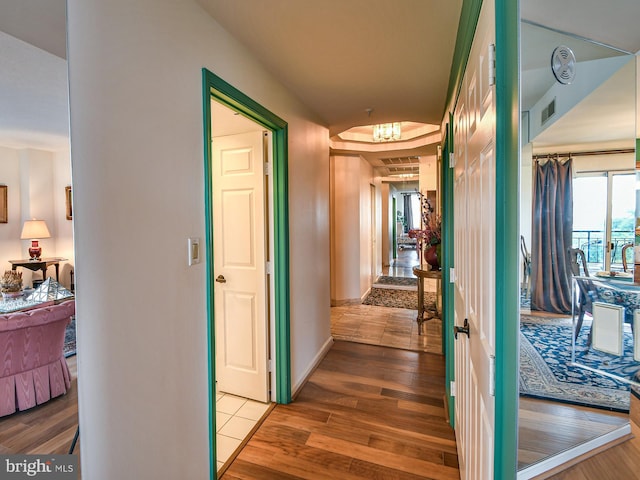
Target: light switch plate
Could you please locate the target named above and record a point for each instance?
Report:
(194, 251)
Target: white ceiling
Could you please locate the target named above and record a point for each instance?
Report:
(340, 57)
(34, 97)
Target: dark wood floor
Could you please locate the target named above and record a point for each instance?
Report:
(46, 429)
(367, 412)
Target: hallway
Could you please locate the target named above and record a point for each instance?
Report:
(366, 412)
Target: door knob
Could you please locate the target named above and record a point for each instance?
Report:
(464, 329)
(221, 279)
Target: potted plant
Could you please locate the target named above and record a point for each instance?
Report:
(11, 284)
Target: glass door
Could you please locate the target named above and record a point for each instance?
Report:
(623, 218)
(604, 218)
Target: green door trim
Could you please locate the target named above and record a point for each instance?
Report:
(448, 261)
(216, 88)
(507, 237)
(394, 228)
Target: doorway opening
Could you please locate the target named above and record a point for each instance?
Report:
(227, 100)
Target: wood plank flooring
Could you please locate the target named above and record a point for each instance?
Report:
(366, 412)
(621, 462)
(363, 414)
(546, 428)
(46, 429)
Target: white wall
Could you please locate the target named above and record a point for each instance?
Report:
(365, 236)
(137, 164)
(351, 258)
(63, 226)
(429, 176)
(10, 244)
(346, 229)
(33, 178)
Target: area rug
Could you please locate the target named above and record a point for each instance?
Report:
(70, 338)
(399, 283)
(383, 297)
(546, 370)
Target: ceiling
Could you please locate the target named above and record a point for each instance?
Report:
(344, 57)
(339, 57)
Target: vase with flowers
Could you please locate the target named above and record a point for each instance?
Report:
(429, 236)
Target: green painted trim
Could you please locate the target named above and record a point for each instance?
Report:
(469, 15)
(448, 306)
(507, 236)
(395, 228)
(214, 87)
(208, 203)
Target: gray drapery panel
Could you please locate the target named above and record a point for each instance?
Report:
(408, 212)
(551, 236)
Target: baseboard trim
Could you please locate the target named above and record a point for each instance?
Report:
(316, 361)
(348, 301)
(557, 463)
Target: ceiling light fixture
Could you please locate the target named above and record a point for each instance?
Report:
(386, 132)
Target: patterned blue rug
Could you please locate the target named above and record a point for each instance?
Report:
(546, 372)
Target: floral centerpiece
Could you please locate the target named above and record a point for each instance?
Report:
(430, 235)
(11, 284)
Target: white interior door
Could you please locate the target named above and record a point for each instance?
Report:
(240, 246)
(474, 250)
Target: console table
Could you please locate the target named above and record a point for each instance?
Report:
(35, 265)
(422, 272)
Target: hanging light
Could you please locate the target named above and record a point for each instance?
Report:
(386, 132)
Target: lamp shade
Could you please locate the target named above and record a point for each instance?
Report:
(33, 229)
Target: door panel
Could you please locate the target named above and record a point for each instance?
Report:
(474, 245)
(239, 263)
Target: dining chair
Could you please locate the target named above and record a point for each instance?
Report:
(526, 267)
(625, 247)
(582, 300)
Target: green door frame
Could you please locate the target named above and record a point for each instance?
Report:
(448, 262)
(394, 228)
(507, 237)
(507, 19)
(213, 87)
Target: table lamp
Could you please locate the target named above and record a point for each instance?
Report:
(34, 230)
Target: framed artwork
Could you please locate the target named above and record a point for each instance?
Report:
(4, 216)
(68, 202)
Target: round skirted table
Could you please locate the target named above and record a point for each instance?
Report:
(424, 271)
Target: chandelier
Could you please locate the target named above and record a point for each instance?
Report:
(386, 132)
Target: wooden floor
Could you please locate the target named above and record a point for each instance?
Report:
(366, 412)
(46, 429)
(390, 327)
(618, 463)
(546, 428)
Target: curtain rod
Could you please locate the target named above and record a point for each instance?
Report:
(584, 154)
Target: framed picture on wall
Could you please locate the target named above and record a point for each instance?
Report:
(4, 215)
(68, 202)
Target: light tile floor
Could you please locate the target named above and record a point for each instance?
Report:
(235, 418)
